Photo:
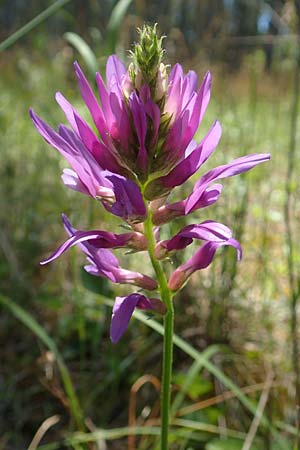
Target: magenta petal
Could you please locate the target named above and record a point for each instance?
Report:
(81, 128)
(115, 71)
(189, 87)
(121, 130)
(129, 202)
(200, 260)
(87, 168)
(104, 98)
(100, 239)
(92, 103)
(205, 198)
(76, 156)
(170, 211)
(236, 167)
(72, 181)
(140, 123)
(174, 99)
(153, 112)
(103, 263)
(186, 168)
(68, 110)
(197, 108)
(175, 74)
(206, 231)
(122, 312)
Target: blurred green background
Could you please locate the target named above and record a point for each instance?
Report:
(239, 320)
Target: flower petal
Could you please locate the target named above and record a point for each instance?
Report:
(72, 181)
(186, 168)
(170, 211)
(200, 260)
(206, 231)
(115, 71)
(197, 109)
(92, 103)
(140, 124)
(236, 167)
(122, 312)
(129, 201)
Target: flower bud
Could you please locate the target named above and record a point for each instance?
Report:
(147, 56)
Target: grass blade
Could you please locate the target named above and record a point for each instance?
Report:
(13, 38)
(84, 50)
(202, 359)
(113, 26)
(29, 321)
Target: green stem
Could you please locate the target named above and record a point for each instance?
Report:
(166, 297)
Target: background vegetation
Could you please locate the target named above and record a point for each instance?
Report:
(236, 378)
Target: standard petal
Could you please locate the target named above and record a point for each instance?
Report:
(205, 198)
(236, 167)
(98, 238)
(103, 263)
(92, 103)
(69, 150)
(68, 110)
(129, 202)
(86, 165)
(197, 108)
(72, 181)
(140, 124)
(122, 312)
(115, 71)
(168, 212)
(186, 168)
(105, 102)
(200, 260)
(206, 231)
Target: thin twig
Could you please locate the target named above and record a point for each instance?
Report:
(132, 403)
(42, 430)
(219, 399)
(259, 412)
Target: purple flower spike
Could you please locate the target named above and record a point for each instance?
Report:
(123, 310)
(200, 260)
(142, 147)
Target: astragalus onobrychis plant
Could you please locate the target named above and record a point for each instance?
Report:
(143, 148)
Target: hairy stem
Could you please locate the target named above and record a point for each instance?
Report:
(166, 297)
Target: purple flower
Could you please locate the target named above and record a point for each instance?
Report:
(123, 310)
(138, 150)
(103, 262)
(200, 260)
(206, 231)
(131, 128)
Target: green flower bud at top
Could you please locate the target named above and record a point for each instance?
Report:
(147, 56)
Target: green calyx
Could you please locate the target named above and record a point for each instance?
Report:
(147, 56)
